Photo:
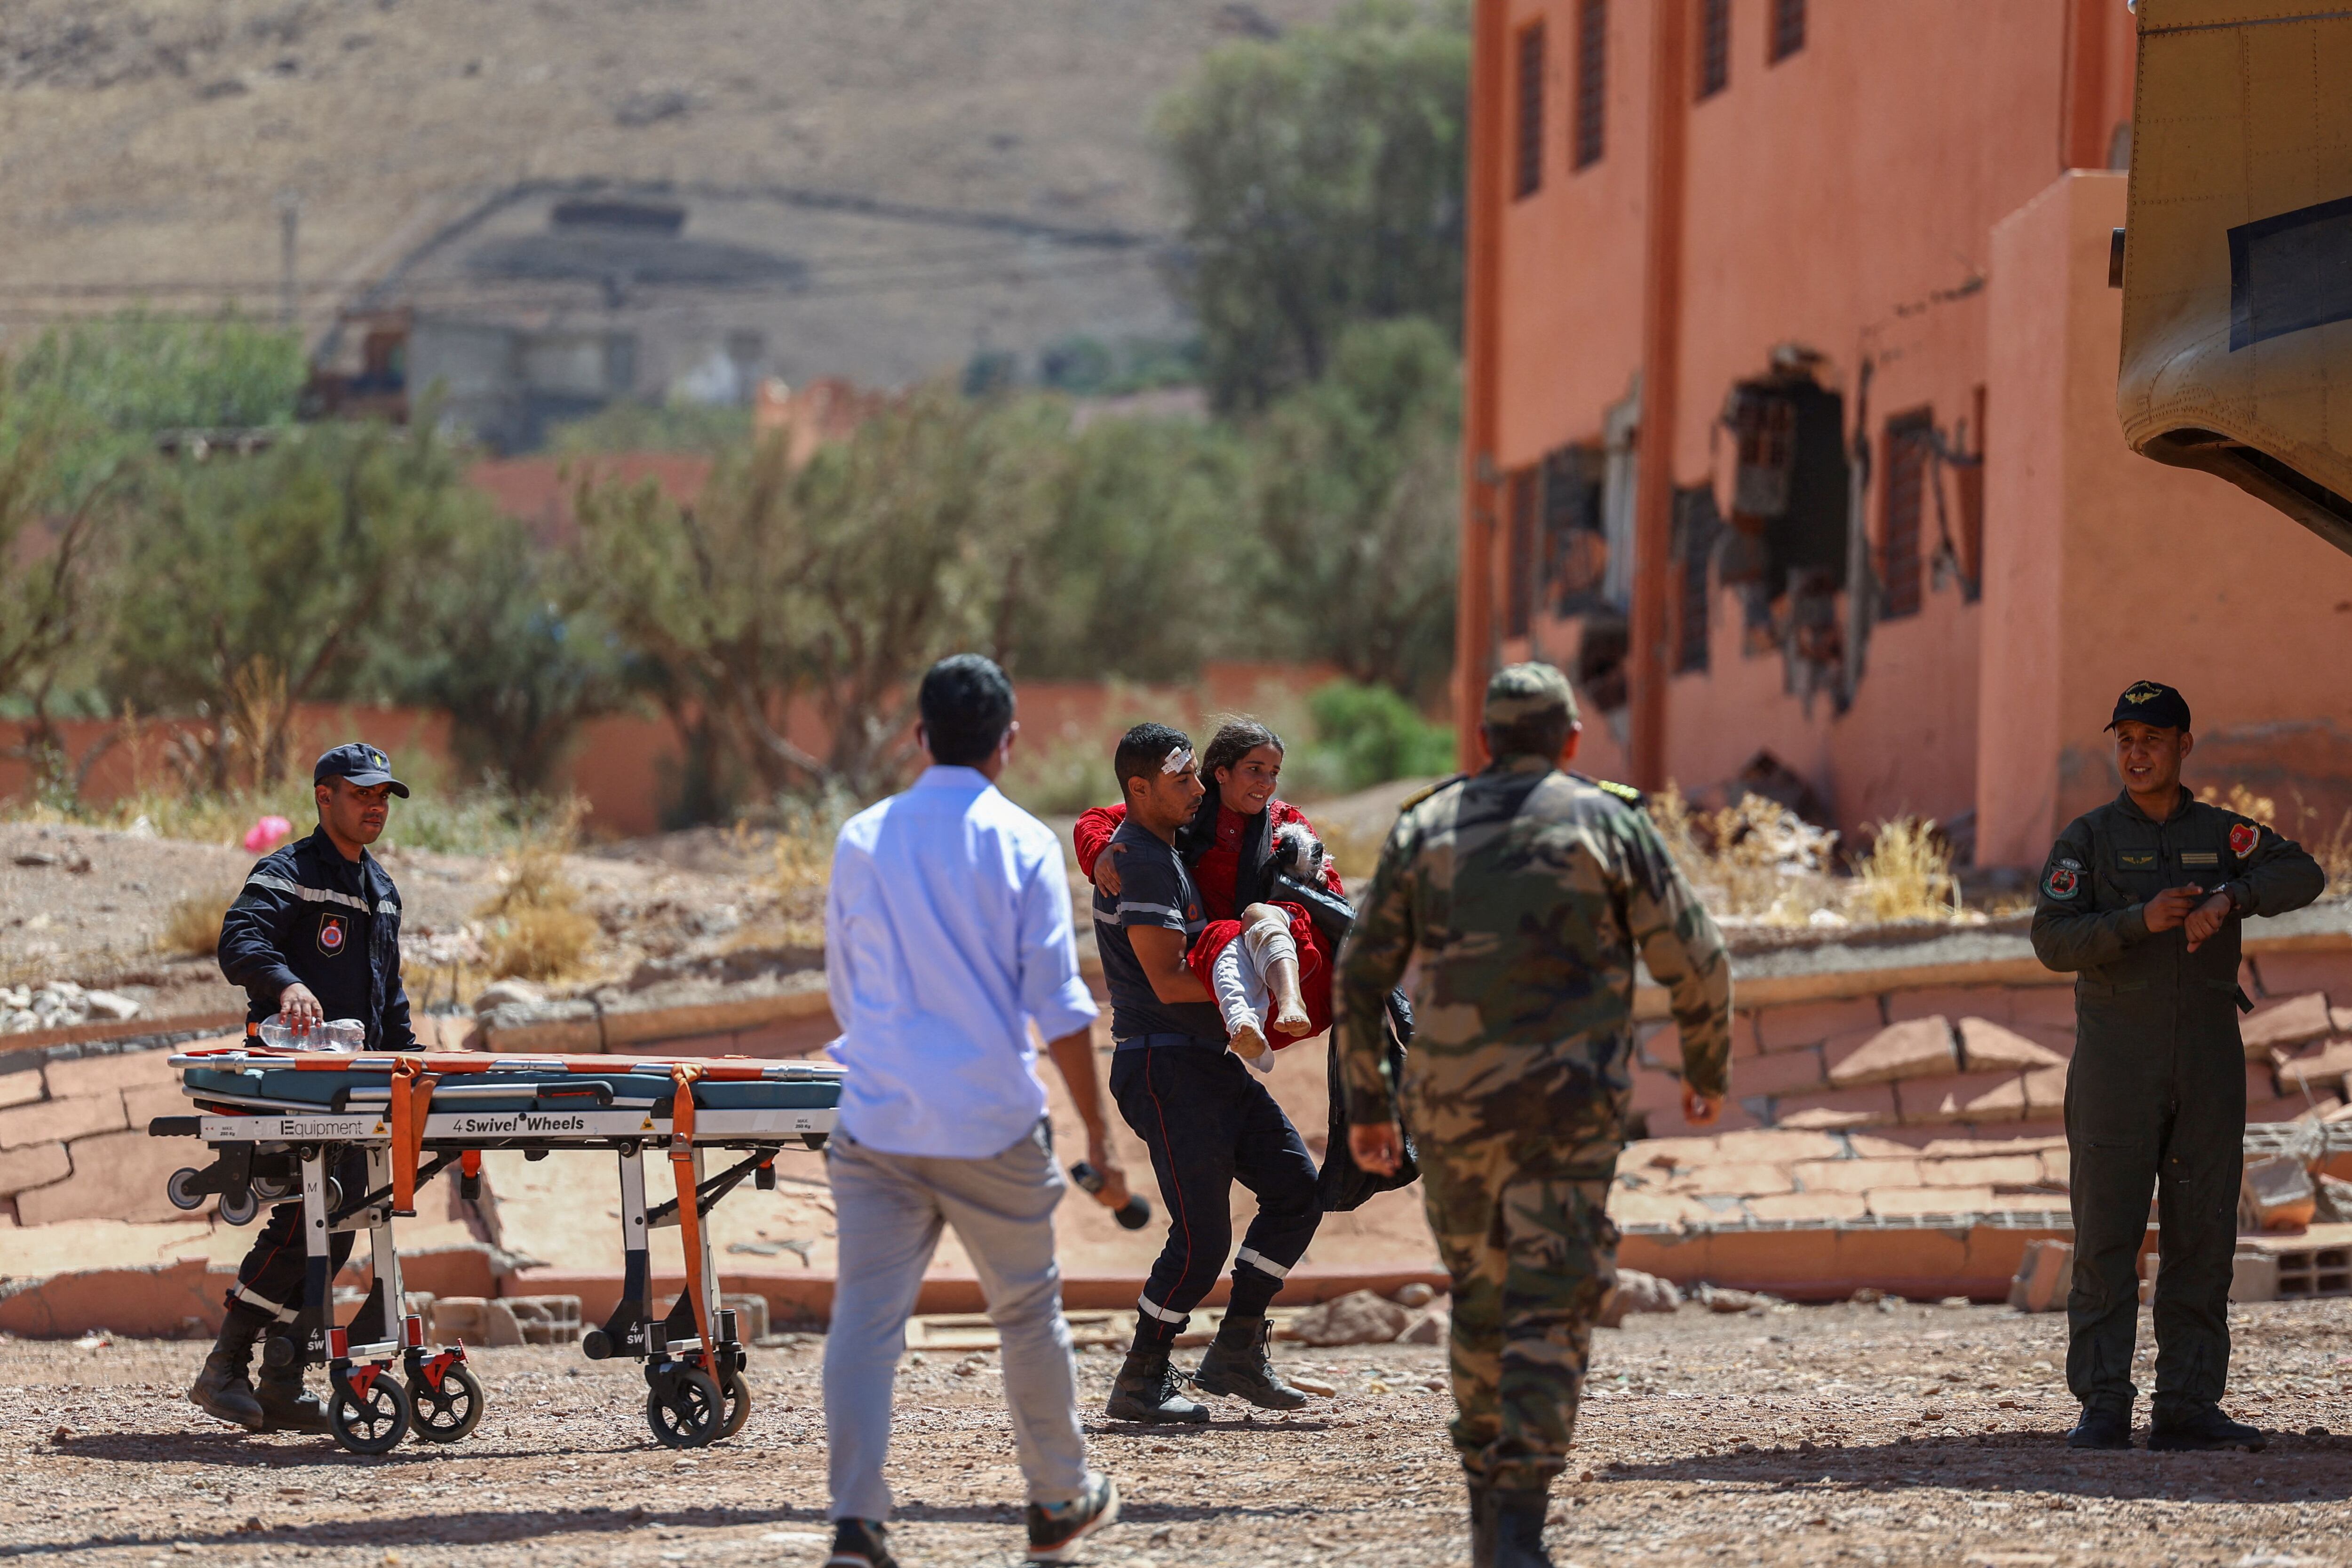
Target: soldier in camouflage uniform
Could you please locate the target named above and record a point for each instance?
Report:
(1526, 891)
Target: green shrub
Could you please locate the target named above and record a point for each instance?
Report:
(1376, 735)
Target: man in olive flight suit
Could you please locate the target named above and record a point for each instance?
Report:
(1527, 891)
(2141, 900)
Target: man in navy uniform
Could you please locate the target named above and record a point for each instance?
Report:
(2142, 901)
(314, 934)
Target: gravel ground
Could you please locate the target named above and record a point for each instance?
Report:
(1916, 1434)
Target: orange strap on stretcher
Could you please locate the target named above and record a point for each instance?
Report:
(689, 1210)
(412, 1097)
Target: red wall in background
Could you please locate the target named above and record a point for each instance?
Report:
(626, 766)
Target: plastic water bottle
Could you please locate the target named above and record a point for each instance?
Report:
(338, 1035)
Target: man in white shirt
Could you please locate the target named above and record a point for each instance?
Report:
(947, 936)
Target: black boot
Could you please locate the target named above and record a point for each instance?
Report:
(221, 1389)
(1482, 1525)
(2202, 1427)
(1518, 1527)
(1238, 1365)
(2102, 1426)
(1146, 1390)
(284, 1402)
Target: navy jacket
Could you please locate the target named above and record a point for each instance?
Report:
(307, 914)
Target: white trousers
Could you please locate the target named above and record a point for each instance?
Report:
(1238, 976)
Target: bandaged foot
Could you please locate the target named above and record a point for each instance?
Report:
(1274, 953)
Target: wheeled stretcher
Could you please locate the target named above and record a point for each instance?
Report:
(280, 1124)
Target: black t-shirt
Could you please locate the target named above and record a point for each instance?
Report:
(1155, 890)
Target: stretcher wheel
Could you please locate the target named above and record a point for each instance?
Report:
(448, 1413)
(274, 1189)
(738, 1394)
(369, 1423)
(239, 1207)
(182, 1188)
(689, 1415)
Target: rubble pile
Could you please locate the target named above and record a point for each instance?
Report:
(60, 1004)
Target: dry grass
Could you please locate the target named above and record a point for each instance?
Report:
(1906, 875)
(1754, 863)
(538, 942)
(192, 928)
(532, 928)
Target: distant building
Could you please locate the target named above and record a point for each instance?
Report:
(1848, 261)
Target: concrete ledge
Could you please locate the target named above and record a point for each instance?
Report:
(1830, 1263)
(809, 1297)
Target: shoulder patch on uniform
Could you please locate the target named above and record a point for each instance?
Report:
(1625, 792)
(1415, 798)
(2063, 881)
(2243, 837)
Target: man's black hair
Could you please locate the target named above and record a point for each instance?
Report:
(967, 707)
(1143, 750)
(1541, 735)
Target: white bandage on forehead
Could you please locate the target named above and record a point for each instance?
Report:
(1178, 759)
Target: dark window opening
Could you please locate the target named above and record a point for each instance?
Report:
(1714, 46)
(1908, 463)
(1575, 539)
(1600, 659)
(1591, 80)
(1531, 111)
(1788, 29)
(1520, 565)
(1698, 526)
(1789, 486)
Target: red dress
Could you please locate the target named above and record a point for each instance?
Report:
(1217, 874)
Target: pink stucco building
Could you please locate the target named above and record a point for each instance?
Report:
(1791, 424)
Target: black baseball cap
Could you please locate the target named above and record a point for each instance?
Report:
(2151, 702)
(361, 763)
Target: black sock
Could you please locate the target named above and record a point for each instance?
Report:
(1153, 1336)
(1253, 1291)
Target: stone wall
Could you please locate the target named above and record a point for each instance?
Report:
(1916, 1052)
(73, 1135)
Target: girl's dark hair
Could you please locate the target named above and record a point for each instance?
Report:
(1235, 738)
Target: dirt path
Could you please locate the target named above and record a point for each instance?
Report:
(1841, 1433)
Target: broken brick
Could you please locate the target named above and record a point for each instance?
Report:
(1909, 1202)
(1808, 1205)
(1854, 1176)
(1963, 1097)
(1731, 1179)
(2284, 1024)
(1982, 1001)
(1917, 1047)
(1990, 1170)
(1986, 1047)
(1871, 1107)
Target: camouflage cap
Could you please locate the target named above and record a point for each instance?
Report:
(1528, 691)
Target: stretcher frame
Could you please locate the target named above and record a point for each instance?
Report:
(268, 1149)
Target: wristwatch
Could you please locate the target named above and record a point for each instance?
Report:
(2242, 898)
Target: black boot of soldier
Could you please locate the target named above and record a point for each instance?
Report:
(222, 1388)
(1518, 1527)
(1482, 1525)
(1146, 1390)
(1238, 1365)
(2202, 1427)
(284, 1402)
(2102, 1426)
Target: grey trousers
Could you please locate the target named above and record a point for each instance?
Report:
(888, 1210)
